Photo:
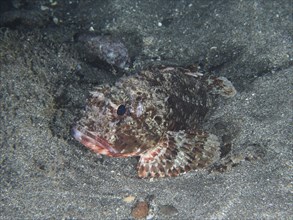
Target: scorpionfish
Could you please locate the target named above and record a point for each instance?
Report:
(157, 115)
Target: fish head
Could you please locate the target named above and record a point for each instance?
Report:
(120, 120)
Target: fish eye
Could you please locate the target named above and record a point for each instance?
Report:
(121, 110)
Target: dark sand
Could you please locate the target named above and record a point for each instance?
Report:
(44, 82)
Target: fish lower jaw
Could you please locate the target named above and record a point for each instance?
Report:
(97, 144)
(92, 142)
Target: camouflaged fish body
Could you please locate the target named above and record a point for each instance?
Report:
(157, 115)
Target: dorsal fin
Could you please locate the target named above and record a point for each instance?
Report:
(179, 152)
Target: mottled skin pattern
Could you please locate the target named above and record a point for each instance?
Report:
(164, 111)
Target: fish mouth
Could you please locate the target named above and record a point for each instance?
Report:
(94, 142)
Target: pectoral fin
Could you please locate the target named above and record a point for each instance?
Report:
(179, 152)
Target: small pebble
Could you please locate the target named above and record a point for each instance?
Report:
(55, 20)
(140, 210)
(129, 199)
(168, 210)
